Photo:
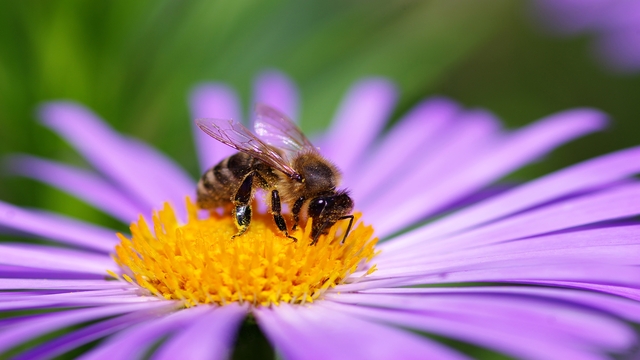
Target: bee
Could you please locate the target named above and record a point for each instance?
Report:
(279, 159)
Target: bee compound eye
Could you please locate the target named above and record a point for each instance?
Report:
(316, 206)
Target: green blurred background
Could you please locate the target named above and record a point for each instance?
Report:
(134, 62)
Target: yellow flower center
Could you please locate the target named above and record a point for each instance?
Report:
(199, 263)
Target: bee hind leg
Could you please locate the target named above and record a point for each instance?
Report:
(276, 209)
(242, 205)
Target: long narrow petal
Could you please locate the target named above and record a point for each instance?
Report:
(472, 135)
(57, 228)
(80, 183)
(615, 245)
(462, 328)
(155, 167)
(25, 272)
(619, 255)
(33, 327)
(135, 341)
(116, 157)
(625, 291)
(28, 295)
(47, 257)
(615, 305)
(84, 335)
(359, 120)
(49, 284)
(587, 175)
(317, 333)
(518, 313)
(209, 337)
(517, 271)
(276, 89)
(516, 150)
(615, 203)
(415, 133)
(212, 100)
(78, 301)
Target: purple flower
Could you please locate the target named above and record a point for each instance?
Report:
(545, 270)
(615, 24)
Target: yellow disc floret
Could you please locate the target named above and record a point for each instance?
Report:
(199, 263)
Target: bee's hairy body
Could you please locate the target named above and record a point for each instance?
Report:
(281, 160)
(231, 183)
(218, 185)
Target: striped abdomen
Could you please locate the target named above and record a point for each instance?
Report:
(218, 185)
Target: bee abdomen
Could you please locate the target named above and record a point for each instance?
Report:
(218, 184)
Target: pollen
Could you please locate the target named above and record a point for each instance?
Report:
(199, 263)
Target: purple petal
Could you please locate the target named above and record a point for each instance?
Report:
(416, 132)
(23, 272)
(86, 334)
(621, 15)
(524, 314)
(43, 284)
(118, 158)
(510, 340)
(359, 120)
(78, 182)
(22, 295)
(32, 327)
(78, 301)
(617, 202)
(212, 100)
(317, 333)
(57, 228)
(624, 291)
(158, 168)
(47, 257)
(135, 341)
(209, 337)
(620, 50)
(516, 150)
(517, 271)
(587, 175)
(466, 141)
(568, 16)
(624, 308)
(277, 90)
(615, 245)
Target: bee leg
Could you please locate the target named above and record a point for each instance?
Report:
(317, 231)
(295, 211)
(242, 205)
(346, 233)
(276, 209)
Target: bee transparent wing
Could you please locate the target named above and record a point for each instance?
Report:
(277, 130)
(235, 135)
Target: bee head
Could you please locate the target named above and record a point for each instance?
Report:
(326, 210)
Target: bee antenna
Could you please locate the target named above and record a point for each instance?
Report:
(346, 233)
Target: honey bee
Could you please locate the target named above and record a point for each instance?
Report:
(279, 159)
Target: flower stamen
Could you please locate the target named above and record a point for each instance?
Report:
(199, 263)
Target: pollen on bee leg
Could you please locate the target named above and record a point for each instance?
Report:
(199, 263)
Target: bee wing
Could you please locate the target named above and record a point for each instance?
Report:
(277, 130)
(235, 135)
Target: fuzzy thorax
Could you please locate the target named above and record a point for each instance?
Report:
(199, 263)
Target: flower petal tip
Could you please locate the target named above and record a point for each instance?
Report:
(214, 100)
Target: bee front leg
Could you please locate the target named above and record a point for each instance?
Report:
(295, 211)
(276, 209)
(242, 205)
